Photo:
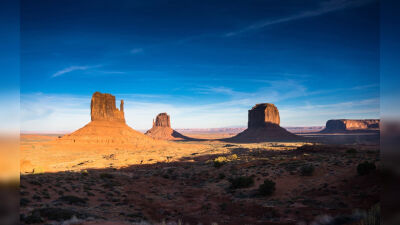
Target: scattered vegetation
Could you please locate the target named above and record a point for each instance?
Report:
(373, 216)
(351, 151)
(241, 182)
(267, 188)
(73, 200)
(58, 214)
(106, 176)
(365, 168)
(221, 160)
(307, 170)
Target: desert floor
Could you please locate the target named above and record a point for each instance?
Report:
(193, 182)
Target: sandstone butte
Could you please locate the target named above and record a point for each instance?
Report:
(162, 129)
(107, 125)
(348, 125)
(263, 126)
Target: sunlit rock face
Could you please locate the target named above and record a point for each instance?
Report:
(350, 125)
(162, 120)
(162, 129)
(107, 126)
(103, 108)
(262, 115)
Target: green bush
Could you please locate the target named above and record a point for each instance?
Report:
(307, 170)
(221, 160)
(241, 182)
(267, 188)
(365, 168)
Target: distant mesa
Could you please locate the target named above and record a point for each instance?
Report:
(107, 125)
(348, 125)
(263, 126)
(162, 129)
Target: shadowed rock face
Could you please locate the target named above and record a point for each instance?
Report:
(348, 125)
(262, 115)
(263, 126)
(162, 120)
(102, 108)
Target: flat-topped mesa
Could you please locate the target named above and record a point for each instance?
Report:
(103, 108)
(162, 120)
(263, 126)
(348, 125)
(263, 115)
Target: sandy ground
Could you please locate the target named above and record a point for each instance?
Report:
(180, 183)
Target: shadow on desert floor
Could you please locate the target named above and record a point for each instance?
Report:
(197, 189)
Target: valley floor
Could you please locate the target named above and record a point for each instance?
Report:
(196, 182)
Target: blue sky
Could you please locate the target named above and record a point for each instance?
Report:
(205, 63)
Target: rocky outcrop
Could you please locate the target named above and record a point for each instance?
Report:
(162, 120)
(347, 125)
(263, 126)
(162, 129)
(103, 108)
(107, 126)
(262, 115)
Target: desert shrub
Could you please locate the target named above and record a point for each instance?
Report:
(373, 216)
(221, 160)
(73, 200)
(241, 182)
(106, 176)
(221, 176)
(351, 151)
(232, 157)
(57, 214)
(267, 188)
(307, 170)
(365, 168)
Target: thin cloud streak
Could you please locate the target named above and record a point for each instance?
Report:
(41, 112)
(71, 69)
(325, 7)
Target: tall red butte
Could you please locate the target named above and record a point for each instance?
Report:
(263, 126)
(162, 129)
(107, 125)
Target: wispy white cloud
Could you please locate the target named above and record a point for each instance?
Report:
(52, 113)
(324, 7)
(71, 69)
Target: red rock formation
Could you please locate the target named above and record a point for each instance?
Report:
(162, 129)
(107, 126)
(262, 115)
(345, 125)
(263, 126)
(162, 120)
(102, 108)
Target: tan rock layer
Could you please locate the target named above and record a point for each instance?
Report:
(102, 108)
